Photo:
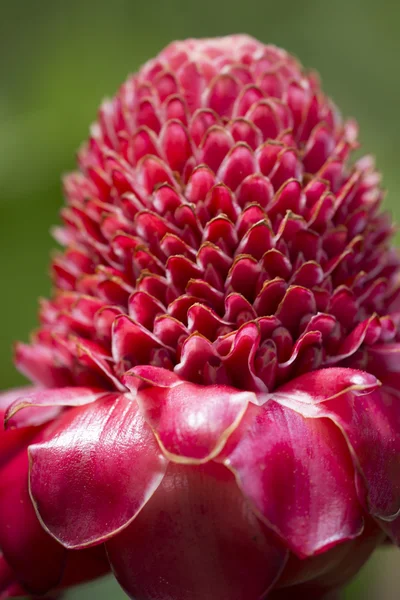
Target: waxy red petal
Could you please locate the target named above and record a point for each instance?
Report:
(372, 424)
(326, 384)
(192, 422)
(196, 538)
(369, 418)
(96, 471)
(298, 475)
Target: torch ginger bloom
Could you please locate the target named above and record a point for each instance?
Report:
(216, 402)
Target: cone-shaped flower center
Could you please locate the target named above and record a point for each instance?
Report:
(217, 228)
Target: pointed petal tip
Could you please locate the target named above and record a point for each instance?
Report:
(45, 404)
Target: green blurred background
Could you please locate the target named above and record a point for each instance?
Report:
(59, 59)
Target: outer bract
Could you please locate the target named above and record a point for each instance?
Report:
(217, 402)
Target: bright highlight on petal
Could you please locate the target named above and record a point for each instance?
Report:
(96, 471)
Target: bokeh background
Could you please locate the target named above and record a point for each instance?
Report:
(58, 59)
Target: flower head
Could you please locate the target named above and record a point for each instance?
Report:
(218, 401)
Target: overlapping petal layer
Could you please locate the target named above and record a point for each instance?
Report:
(370, 421)
(282, 462)
(191, 422)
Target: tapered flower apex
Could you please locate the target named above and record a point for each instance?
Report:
(216, 401)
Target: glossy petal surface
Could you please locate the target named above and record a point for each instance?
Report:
(370, 421)
(98, 468)
(193, 422)
(326, 384)
(282, 462)
(372, 424)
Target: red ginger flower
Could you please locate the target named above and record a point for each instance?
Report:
(217, 398)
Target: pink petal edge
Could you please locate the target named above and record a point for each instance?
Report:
(46, 399)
